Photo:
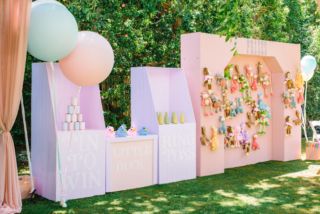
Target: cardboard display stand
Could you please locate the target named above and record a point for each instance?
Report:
(155, 90)
(78, 155)
(131, 162)
(201, 50)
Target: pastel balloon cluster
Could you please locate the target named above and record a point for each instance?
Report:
(86, 58)
(308, 66)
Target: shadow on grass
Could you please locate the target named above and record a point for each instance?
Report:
(270, 187)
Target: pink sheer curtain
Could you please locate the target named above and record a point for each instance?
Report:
(14, 23)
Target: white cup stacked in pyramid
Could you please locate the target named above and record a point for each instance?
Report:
(74, 118)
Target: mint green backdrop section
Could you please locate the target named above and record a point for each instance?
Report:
(53, 32)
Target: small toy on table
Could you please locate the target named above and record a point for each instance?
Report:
(174, 118)
(132, 132)
(182, 118)
(110, 132)
(166, 118)
(160, 118)
(143, 131)
(122, 131)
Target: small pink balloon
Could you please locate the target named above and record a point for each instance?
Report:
(90, 62)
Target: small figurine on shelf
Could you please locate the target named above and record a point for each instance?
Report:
(243, 136)
(182, 118)
(244, 139)
(288, 125)
(237, 137)
(264, 109)
(299, 80)
(255, 146)
(263, 123)
(227, 109)
(208, 79)
(244, 88)
(250, 120)
(252, 78)
(298, 120)
(239, 108)
(264, 80)
(246, 148)
(300, 98)
(293, 103)
(166, 118)
(235, 79)
(233, 112)
(122, 131)
(288, 81)
(143, 131)
(227, 72)
(221, 82)
(229, 139)
(216, 103)
(203, 138)
(160, 118)
(206, 103)
(214, 139)
(132, 132)
(222, 128)
(110, 132)
(286, 99)
(174, 118)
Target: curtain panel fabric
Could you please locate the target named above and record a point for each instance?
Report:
(14, 23)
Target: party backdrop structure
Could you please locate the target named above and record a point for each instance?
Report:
(160, 100)
(250, 96)
(67, 162)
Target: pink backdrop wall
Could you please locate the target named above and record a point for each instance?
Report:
(199, 50)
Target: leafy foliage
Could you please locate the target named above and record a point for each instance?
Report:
(147, 32)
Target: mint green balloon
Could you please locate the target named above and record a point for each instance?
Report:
(53, 31)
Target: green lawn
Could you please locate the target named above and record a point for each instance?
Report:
(271, 187)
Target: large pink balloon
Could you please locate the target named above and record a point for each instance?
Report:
(90, 62)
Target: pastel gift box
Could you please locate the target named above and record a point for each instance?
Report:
(131, 162)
